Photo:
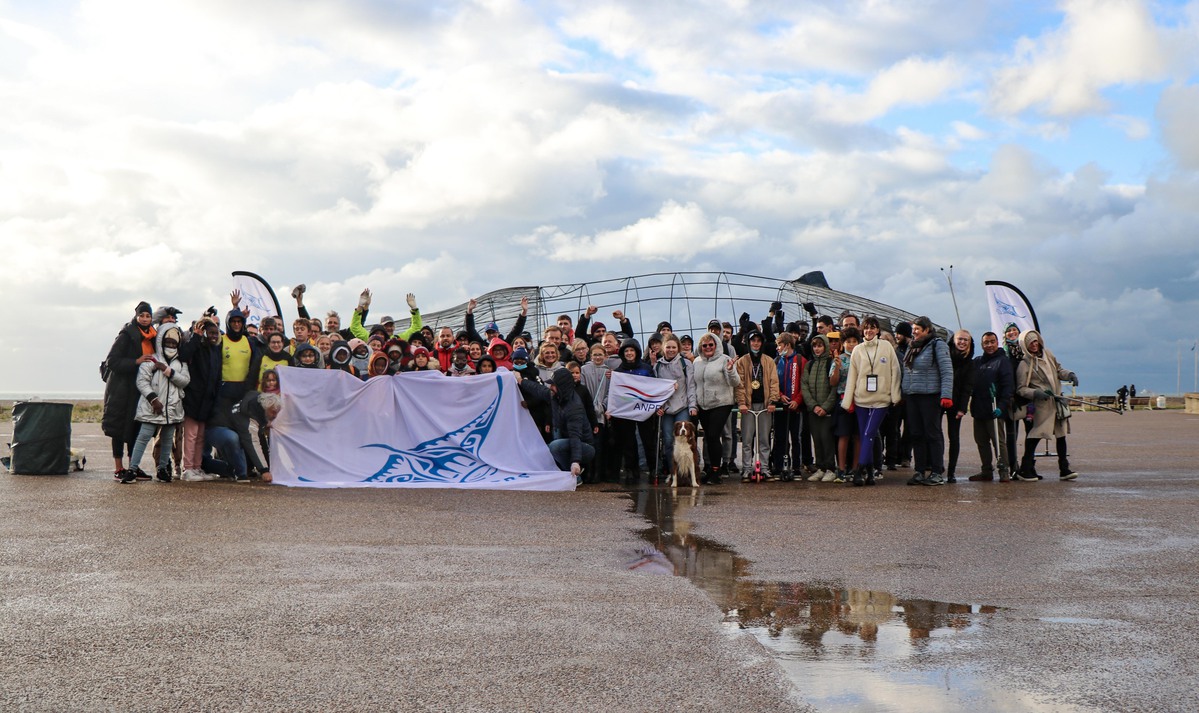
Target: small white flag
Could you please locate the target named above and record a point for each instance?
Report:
(637, 397)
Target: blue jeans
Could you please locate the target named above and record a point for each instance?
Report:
(668, 422)
(228, 447)
(560, 449)
(143, 440)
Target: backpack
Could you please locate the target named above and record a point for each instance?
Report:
(104, 371)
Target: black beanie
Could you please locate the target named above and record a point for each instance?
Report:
(903, 329)
(143, 306)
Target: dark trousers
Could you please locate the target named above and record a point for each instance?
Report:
(788, 427)
(953, 427)
(1028, 463)
(626, 432)
(928, 442)
(713, 422)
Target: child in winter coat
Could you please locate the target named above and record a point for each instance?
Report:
(161, 383)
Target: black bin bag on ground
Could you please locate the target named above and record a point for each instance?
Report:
(41, 438)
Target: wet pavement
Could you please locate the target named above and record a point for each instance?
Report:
(1013, 596)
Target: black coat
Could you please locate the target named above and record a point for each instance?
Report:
(120, 391)
(204, 364)
(963, 377)
(994, 369)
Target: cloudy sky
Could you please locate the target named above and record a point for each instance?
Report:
(148, 148)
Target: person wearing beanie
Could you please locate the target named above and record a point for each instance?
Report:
(161, 382)
(422, 360)
(134, 345)
(595, 333)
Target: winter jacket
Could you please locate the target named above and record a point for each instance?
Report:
(637, 365)
(931, 371)
(204, 368)
(567, 414)
(680, 371)
(875, 356)
(494, 346)
(120, 391)
(472, 333)
(358, 330)
(963, 377)
(992, 370)
(166, 386)
(1034, 376)
(817, 391)
(769, 378)
(790, 373)
(237, 419)
(715, 385)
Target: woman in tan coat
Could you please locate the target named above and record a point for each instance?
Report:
(1039, 380)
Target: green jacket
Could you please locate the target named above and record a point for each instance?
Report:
(817, 391)
(361, 332)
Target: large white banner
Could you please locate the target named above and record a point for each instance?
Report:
(637, 397)
(1008, 304)
(419, 429)
(257, 295)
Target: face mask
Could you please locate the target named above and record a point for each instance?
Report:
(519, 367)
(170, 352)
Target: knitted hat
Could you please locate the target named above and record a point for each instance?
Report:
(520, 353)
(143, 306)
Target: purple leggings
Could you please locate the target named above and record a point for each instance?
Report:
(869, 421)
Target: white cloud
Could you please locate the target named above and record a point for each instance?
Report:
(676, 232)
(1176, 111)
(1101, 43)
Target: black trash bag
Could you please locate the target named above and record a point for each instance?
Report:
(41, 438)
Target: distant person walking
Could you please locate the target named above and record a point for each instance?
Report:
(1122, 396)
(1132, 394)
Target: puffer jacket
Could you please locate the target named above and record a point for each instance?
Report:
(681, 372)
(714, 384)
(817, 391)
(931, 371)
(166, 386)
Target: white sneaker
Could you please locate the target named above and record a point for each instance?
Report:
(815, 476)
(192, 475)
(829, 476)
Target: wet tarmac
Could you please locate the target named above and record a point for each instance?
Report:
(978, 596)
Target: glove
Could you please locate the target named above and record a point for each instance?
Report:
(946, 404)
(1073, 378)
(364, 300)
(411, 301)
(744, 318)
(810, 308)
(997, 413)
(776, 306)
(1049, 393)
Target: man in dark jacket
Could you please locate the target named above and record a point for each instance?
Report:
(990, 402)
(229, 432)
(572, 444)
(202, 354)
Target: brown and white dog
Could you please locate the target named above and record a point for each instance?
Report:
(686, 455)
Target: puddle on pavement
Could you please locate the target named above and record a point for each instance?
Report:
(844, 649)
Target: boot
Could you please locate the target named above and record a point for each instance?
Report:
(859, 477)
(164, 474)
(1063, 462)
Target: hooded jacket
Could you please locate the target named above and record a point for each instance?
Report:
(595, 378)
(681, 372)
(715, 384)
(790, 373)
(568, 416)
(360, 362)
(506, 360)
(304, 349)
(204, 367)
(377, 365)
(234, 346)
(817, 391)
(166, 386)
(637, 365)
(1034, 376)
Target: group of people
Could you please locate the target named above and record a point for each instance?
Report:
(829, 401)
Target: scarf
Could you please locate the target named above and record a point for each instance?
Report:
(915, 346)
(148, 335)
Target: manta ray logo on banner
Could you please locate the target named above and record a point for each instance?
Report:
(1007, 305)
(410, 430)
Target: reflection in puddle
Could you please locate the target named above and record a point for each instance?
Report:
(845, 649)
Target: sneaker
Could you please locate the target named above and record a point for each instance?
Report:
(1004, 477)
(892, 466)
(983, 477)
(905, 464)
(745, 476)
(818, 475)
(916, 479)
(950, 480)
(578, 480)
(1027, 476)
(241, 479)
(116, 474)
(935, 479)
(828, 476)
(871, 476)
(127, 476)
(878, 475)
(858, 478)
(1069, 475)
(141, 474)
(772, 478)
(839, 477)
(164, 474)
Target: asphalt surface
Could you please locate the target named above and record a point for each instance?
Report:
(203, 596)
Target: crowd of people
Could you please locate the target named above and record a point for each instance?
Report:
(834, 401)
